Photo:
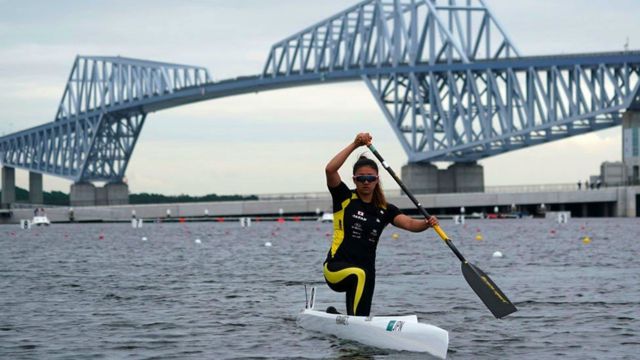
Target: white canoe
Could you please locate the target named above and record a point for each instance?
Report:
(387, 332)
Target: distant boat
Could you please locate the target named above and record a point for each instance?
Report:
(326, 217)
(40, 220)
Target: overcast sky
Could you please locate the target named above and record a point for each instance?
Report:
(279, 141)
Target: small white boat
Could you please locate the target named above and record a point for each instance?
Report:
(40, 220)
(326, 217)
(403, 333)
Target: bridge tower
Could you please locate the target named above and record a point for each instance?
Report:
(429, 109)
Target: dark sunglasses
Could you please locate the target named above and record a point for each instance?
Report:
(365, 178)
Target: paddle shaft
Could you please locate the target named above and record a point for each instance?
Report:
(415, 201)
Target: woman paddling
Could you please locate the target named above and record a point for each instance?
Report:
(359, 216)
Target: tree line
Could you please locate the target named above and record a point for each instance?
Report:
(59, 198)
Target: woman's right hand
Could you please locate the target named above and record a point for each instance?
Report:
(363, 139)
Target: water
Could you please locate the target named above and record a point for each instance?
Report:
(97, 291)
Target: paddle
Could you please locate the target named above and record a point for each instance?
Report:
(480, 282)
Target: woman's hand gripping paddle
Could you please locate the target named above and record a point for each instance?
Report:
(480, 282)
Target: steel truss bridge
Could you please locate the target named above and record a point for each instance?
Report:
(451, 83)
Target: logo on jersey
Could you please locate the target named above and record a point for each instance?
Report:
(359, 215)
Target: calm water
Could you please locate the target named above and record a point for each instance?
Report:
(99, 291)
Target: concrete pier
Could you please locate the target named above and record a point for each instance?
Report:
(117, 193)
(82, 194)
(35, 188)
(421, 178)
(8, 186)
(631, 146)
(87, 194)
(426, 178)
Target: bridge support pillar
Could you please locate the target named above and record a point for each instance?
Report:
(87, 194)
(626, 202)
(630, 148)
(35, 188)
(8, 186)
(113, 194)
(82, 194)
(426, 178)
(421, 178)
(467, 177)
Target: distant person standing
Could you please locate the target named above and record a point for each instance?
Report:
(579, 184)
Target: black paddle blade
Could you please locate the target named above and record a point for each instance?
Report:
(488, 291)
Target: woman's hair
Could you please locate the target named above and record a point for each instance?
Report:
(378, 195)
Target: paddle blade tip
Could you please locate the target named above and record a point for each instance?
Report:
(492, 297)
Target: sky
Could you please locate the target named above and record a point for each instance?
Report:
(278, 141)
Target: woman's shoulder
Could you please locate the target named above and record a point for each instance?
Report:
(341, 190)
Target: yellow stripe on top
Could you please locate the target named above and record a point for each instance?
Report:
(338, 225)
(337, 276)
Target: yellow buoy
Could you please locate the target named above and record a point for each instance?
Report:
(586, 240)
(395, 236)
(479, 237)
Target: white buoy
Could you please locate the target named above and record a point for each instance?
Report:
(497, 254)
(267, 244)
(136, 223)
(563, 217)
(144, 238)
(198, 241)
(25, 224)
(458, 219)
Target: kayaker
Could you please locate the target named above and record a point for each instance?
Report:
(359, 216)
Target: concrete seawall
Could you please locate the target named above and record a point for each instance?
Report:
(614, 201)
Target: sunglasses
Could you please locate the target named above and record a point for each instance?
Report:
(365, 178)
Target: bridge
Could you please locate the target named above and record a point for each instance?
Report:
(449, 80)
